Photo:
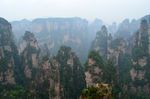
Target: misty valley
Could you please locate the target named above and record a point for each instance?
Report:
(72, 58)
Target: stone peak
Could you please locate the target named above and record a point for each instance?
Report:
(104, 30)
(28, 36)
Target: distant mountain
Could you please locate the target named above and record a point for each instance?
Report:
(55, 32)
(94, 27)
(19, 27)
(126, 29)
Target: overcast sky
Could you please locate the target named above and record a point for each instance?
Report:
(107, 10)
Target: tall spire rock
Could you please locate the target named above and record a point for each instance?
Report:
(71, 73)
(30, 55)
(116, 48)
(107, 47)
(100, 42)
(98, 71)
(46, 83)
(143, 33)
(139, 65)
(8, 52)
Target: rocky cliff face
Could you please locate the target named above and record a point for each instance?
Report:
(97, 71)
(108, 47)
(71, 73)
(94, 69)
(46, 82)
(116, 48)
(100, 42)
(30, 54)
(8, 52)
(140, 60)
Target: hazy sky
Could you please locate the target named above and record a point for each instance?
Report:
(107, 10)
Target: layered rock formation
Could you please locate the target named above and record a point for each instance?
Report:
(30, 54)
(8, 52)
(108, 47)
(97, 71)
(139, 71)
(46, 82)
(126, 29)
(100, 42)
(71, 74)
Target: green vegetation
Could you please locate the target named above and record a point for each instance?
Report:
(107, 74)
(3, 64)
(67, 78)
(115, 43)
(72, 78)
(138, 52)
(101, 42)
(52, 92)
(98, 92)
(28, 35)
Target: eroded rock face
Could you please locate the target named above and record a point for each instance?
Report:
(70, 72)
(53, 75)
(143, 61)
(55, 63)
(133, 62)
(94, 68)
(30, 54)
(96, 71)
(133, 74)
(34, 60)
(100, 42)
(115, 48)
(28, 72)
(46, 65)
(22, 46)
(91, 62)
(8, 53)
(47, 79)
(107, 47)
(7, 77)
(88, 79)
(137, 74)
(70, 62)
(139, 60)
